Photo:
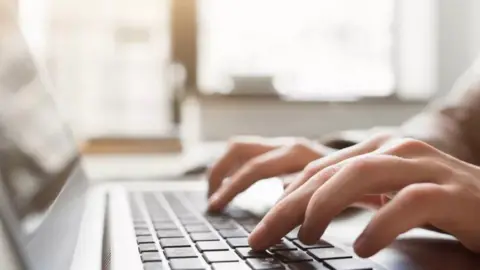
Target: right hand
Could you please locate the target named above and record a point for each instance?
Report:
(250, 159)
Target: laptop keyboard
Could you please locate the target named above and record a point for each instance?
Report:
(174, 232)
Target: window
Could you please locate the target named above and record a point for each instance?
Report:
(108, 61)
(308, 48)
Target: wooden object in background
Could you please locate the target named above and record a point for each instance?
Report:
(125, 145)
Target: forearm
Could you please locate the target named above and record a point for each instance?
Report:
(451, 124)
(434, 126)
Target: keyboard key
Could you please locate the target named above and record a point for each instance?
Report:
(249, 253)
(313, 265)
(216, 217)
(196, 228)
(225, 226)
(319, 244)
(238, 214)
(185, 214)
(211, 246)
(161, 219)
(169, 234)
(349, 264)
(145, 239)
(153, 266)
(238, 242)
(328, 253)
(232, 233)
(293, 235)
(139, 222)
(284, 245)
(187, 218)
(151, 257)
(248, 221)
(174, 242)
(249, 227)
(192, 222)
(230, 266)
(292, 256)
(140, 226)
(180, 252)
(165, 226)
(147, 247)
(265, 263)
(186, 264)
(220, 256)
(142, 232)
(203, 236)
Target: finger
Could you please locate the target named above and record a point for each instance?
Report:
(274, 163)
(316, 166)
(220, 170)
(368, 174)
(235, 156)
(280, 220)
(412, 207)
(284, 216)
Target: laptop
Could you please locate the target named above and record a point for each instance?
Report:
(52, 218)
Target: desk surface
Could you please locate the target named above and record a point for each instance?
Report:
(101, 167)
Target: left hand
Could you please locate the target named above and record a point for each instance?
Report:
(433, 188)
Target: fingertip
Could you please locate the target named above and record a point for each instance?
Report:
(258, 239)
(215, 203)
(309, 235)
(362, 252)
(362, 247)
(303, 236)
(210, 192)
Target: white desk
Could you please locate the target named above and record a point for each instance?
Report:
(100, 167)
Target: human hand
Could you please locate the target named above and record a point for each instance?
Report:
(433, 188)
(249, 159)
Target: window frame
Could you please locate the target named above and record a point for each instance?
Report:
(404, 54)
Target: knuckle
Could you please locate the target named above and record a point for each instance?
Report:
(330, 171)
(465, 184)
(424, 194)
(446, 171)
(312, 168)
(234, 144)
(362, 164)
(409, 144)
(405, 146)
(380, 138)
(301, 144)
(442, 169)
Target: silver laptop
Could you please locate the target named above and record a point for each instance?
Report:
(52, 219)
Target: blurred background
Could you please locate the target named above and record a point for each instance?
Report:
(140, 73)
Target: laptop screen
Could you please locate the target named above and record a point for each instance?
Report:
(37, 152)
